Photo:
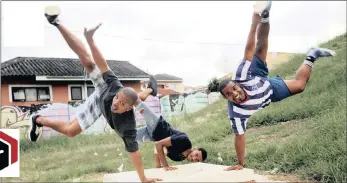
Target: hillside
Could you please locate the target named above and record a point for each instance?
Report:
(303, 135)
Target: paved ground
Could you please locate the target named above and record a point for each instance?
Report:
(193, 172)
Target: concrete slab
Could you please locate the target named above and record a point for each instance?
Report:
(193, 172)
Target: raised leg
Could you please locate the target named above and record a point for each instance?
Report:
(303, 74)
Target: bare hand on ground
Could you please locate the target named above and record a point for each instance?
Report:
(152, 180)
(235, 167)
(90, 32)
(168, 168)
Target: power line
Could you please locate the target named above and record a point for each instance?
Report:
(157, 40)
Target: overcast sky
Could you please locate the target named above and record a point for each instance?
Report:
(185, 39)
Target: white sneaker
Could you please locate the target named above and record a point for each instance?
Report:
(260, 6)
(52, 13)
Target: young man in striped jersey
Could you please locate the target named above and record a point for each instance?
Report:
(250, 89)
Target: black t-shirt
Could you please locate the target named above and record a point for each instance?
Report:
(124, 124)
(179, 140)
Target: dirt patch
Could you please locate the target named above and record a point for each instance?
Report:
(259, 129)
(203, 119)
(272, 137)
(263, 128)
(93, 177)
(287, 178)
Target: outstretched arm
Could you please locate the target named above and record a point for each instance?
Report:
(97, 56)
(240, 139)
(137, 161)
(240, 147)
(131, 146)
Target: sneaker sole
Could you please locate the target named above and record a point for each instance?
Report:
(260, 6)
(30, 129)
(29, 137)
(333, 53)
(52, 10)
(154, 82)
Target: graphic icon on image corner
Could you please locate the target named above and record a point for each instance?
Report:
(9, 153)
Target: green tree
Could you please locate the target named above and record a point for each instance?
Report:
(212, 85)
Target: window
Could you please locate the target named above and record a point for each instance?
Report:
(30, 94)
(76, 93)
(173, 87)
(80, 91)
(90, 90)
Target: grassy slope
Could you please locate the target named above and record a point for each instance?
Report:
(311, 145)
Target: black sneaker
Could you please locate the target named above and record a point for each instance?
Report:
(265, 14)
(153, 85)
(52, 13)
(34, 133)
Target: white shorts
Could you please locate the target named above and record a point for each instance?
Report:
(91, 111)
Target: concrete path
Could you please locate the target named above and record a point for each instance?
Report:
(193, 172)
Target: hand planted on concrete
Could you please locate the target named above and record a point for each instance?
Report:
(152, 180)
(250, 181)
(168, 168)
(235, 167)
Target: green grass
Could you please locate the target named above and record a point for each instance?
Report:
(304, 135)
